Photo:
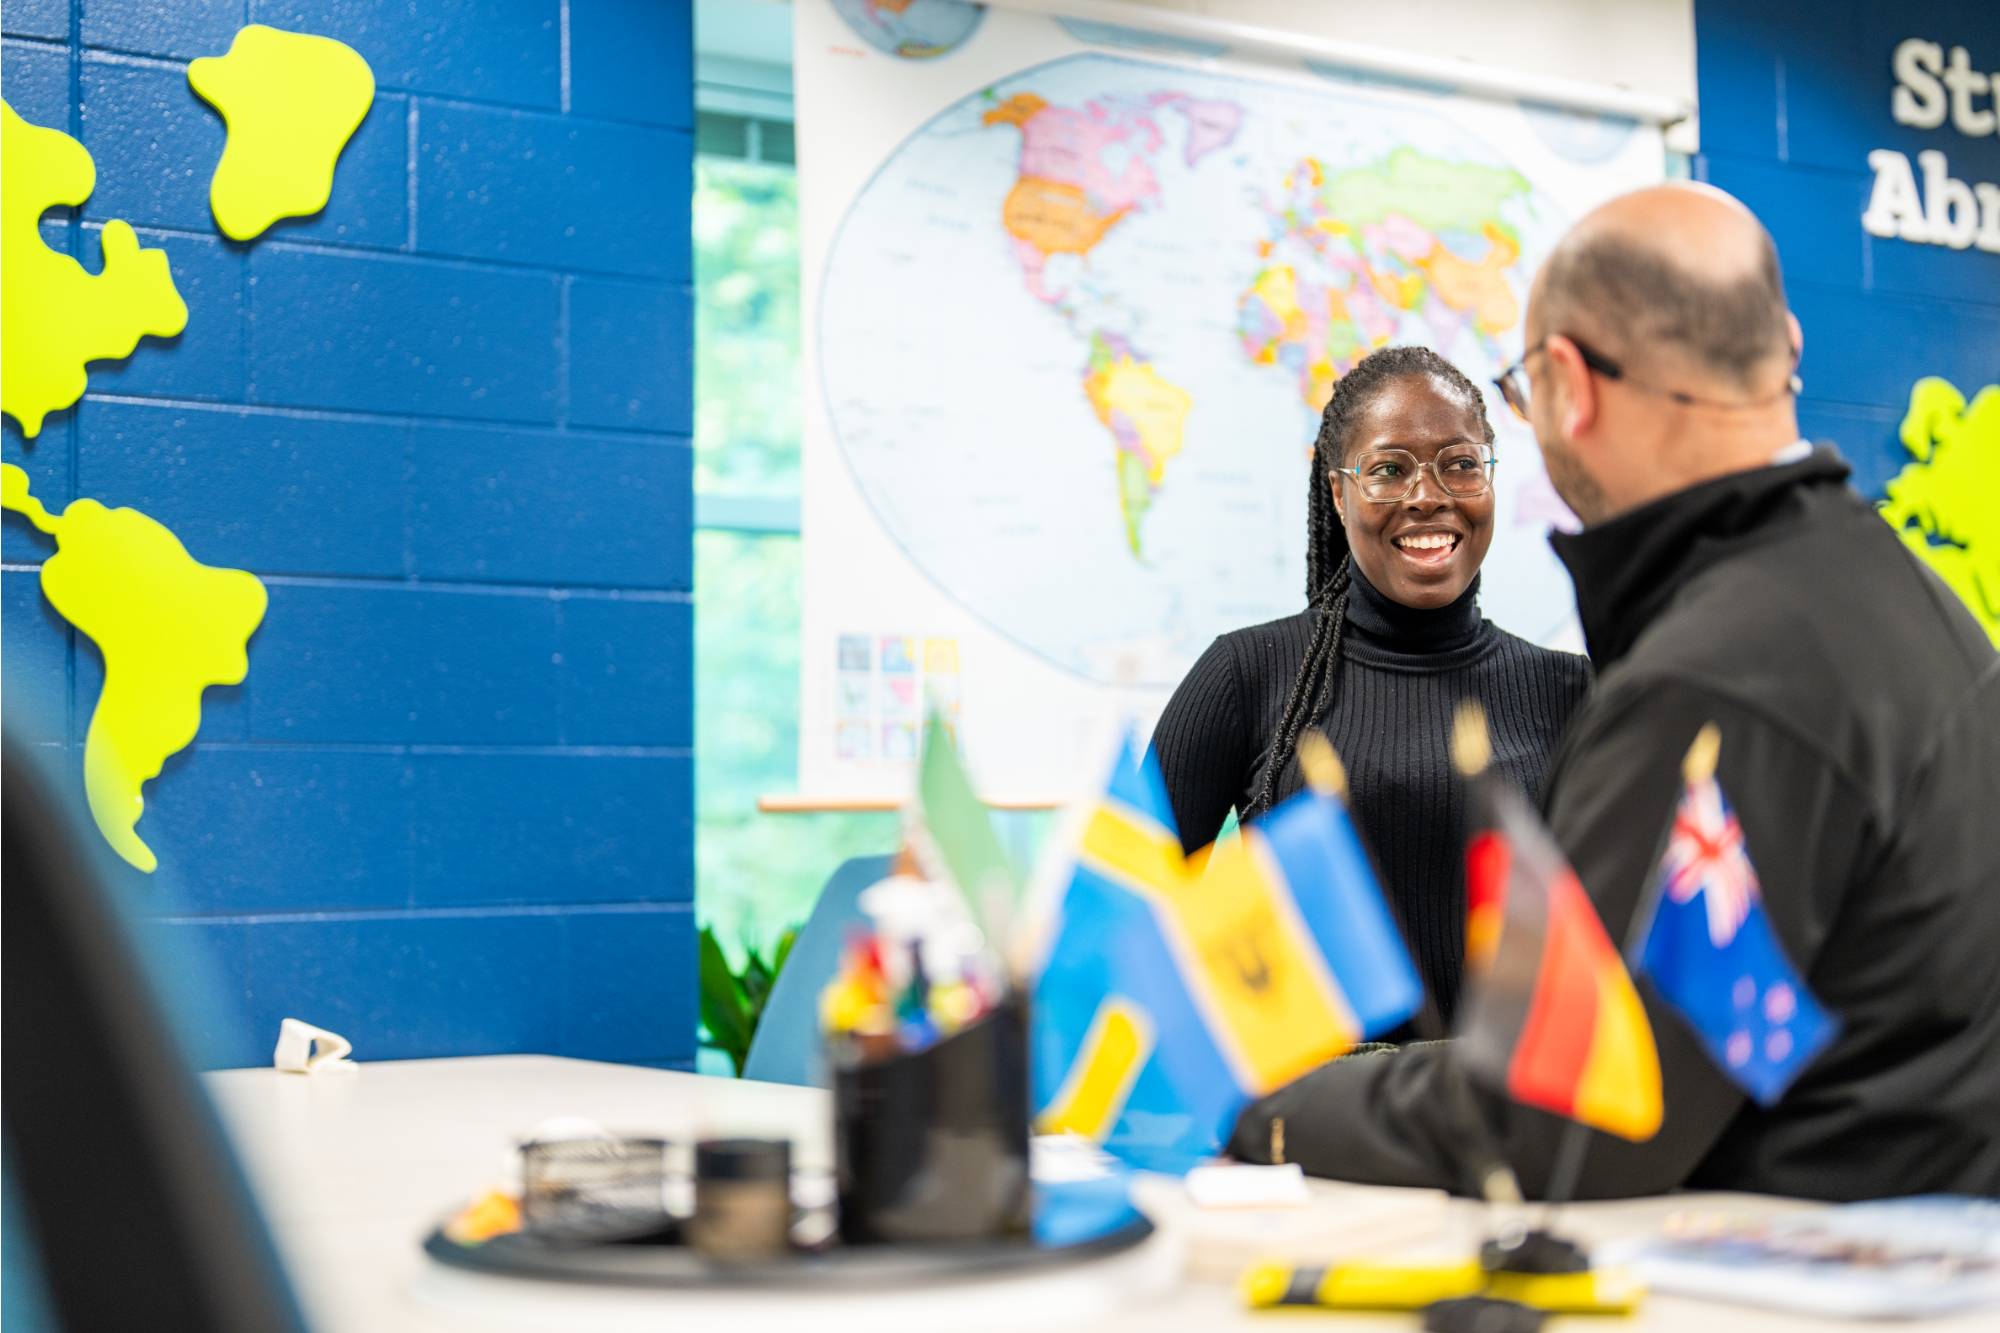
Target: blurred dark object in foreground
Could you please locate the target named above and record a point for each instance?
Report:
(116, 1162)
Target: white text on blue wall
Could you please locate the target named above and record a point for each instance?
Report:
(1945, 211)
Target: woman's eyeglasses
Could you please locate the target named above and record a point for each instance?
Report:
(1388, 475)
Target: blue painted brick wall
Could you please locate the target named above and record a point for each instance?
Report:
(1794, 95)
(447, 422)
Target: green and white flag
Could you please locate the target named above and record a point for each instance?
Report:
(952, 835)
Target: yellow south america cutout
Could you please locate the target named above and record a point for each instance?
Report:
(1945, 503)
(55, 317)
(291, 101)
(168, 627)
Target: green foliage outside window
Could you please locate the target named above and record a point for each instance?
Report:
(747, 376)
(756, 875)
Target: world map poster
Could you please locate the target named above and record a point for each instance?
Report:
(1075, 297)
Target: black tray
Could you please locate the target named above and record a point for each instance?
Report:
(526, 1255)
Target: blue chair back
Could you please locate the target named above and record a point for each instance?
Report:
(786, 1046)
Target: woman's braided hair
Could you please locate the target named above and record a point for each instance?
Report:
(1327, 561)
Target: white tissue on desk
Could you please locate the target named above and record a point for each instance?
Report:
(1059, 1159)
(1237, 1186)
(305, 1049)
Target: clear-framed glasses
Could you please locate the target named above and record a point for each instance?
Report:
(1388, 475)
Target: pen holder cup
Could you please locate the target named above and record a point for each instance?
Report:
(932, 1146)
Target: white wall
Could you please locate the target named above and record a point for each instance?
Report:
(1644, 45)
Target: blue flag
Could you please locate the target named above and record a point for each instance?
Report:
(1713, 955)
(1176, 989)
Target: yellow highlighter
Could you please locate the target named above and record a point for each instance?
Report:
(1599, 1291)
(1359, 1286)
(1381, 1286)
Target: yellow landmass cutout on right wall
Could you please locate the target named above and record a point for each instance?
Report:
(56, 318)
(1945, 505)
(168, 627)
(291, 102)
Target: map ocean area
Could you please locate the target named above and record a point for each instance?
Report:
(1075, 334)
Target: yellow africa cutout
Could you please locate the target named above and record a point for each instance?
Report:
(291, 101)
(168, 627)
(54, 316)
(1946, 504)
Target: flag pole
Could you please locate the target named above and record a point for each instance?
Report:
(1492, 1174)
(1697, 766)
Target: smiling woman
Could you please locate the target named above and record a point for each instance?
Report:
(1420, 465)
(1391, 640)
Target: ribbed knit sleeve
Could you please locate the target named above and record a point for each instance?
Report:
(1204, 744)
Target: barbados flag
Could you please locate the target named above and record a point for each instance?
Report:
(1551, 1016)
(1712, 953)
(1176, 989)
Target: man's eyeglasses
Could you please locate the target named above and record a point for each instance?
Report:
(1388, 475)
(1513, 382)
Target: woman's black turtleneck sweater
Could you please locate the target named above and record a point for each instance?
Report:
(1402, 672)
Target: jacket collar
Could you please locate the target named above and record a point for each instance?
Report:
(1628, 568)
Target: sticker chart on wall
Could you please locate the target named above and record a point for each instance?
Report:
(1075, 297)
(166, 625)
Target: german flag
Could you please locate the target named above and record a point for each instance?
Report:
(1551, 1015)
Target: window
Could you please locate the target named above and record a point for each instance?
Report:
(756, 874)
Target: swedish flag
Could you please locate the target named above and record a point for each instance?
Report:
(1177, 989)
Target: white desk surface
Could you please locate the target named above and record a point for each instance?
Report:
(354, 1168)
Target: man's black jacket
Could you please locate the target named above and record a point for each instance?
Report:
(1859, 706)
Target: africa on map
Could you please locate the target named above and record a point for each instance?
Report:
(1076, 333)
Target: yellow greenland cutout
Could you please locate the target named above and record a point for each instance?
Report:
(54, 316)
(168, 627)
(291, 101)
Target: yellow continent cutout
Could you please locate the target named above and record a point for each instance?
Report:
(291, 101)
(54, 316)
(1945, 503)
(168, 627)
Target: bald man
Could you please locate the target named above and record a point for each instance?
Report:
(1727, 573)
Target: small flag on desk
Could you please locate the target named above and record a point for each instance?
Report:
(952, 834)
(1710, 949)
(1176, 990)
(1551, 1016)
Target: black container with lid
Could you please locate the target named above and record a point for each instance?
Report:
(742, 1198)
(932, 1146)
